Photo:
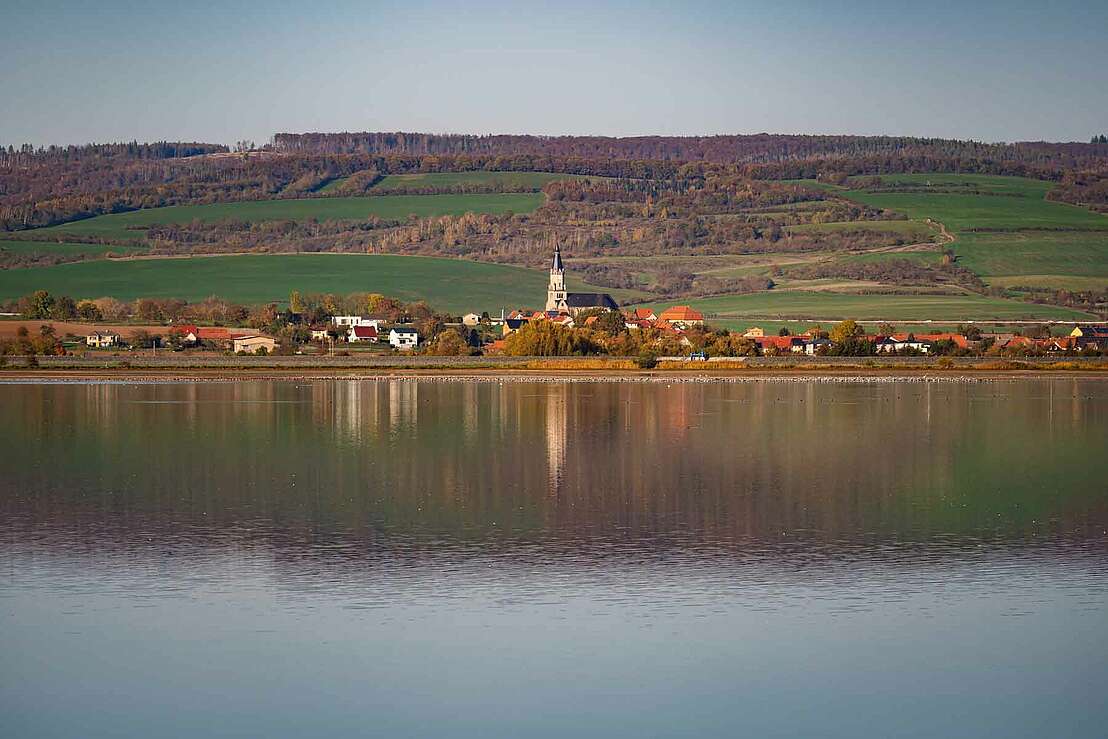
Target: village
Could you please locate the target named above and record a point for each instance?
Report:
(570, 323)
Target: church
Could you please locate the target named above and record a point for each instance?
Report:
(560, 301)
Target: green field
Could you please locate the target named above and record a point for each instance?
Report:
(129, 225)
(447, 284)
(1017, 202)
(1035, 253)
(829, 305)
(458, 179)
(65, 248)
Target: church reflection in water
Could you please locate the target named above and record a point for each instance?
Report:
(723, 463)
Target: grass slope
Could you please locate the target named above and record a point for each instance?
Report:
(447, 284)
(1035, 253)
(65, 248)
(1015, 202)
(831, 305)
(129, 225)
(1074, 256)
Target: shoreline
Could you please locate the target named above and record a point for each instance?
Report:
(148, 375)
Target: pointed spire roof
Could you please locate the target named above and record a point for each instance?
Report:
(556, 263)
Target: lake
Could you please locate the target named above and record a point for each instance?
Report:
(544, 559)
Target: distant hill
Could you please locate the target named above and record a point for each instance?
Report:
(756, 148)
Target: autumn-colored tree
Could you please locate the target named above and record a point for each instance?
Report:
(88, 311)
(843, 331)
(548, 339)
(449, 343)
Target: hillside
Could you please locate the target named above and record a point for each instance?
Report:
(902, 245)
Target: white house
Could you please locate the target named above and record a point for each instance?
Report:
(471, 319)
(404, 338)
(349, 321)
(102, 339)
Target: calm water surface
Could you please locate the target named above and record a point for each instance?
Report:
(413, 559)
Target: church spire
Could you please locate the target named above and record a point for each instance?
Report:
(556, 290)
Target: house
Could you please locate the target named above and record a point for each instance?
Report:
(781, 344)
(1012, 343)
(682, 315)
(253, 344)
(514, 322)
(349, 321)
(900, 342)
(754, 332)
(560, 301)
(320, 333)
(1090, 337)
(188, 332)
(642, 315)
(102, 339)
(958, 340)
(471, 319)
(362, 333)
(403, 338)
(214, 335)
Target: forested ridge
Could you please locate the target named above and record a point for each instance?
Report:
(46, 186)
(755, 149)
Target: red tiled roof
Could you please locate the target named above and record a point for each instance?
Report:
(216, 334)
(681, 313)
(364, 332)
(778, 342)
(184, 328)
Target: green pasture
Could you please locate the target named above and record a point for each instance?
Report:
(1016, 203)
(130, 225)
(65, 248)
(1035, 253)
(447, 284)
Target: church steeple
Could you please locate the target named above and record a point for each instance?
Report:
(556, 290)
(556, 264)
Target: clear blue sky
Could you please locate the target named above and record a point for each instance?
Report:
(77, 72)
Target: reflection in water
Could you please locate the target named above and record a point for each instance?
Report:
(476, 558)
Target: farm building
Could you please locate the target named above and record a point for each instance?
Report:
(362, 333)
(253, 344)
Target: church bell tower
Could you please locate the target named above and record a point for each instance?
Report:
(556, 290)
